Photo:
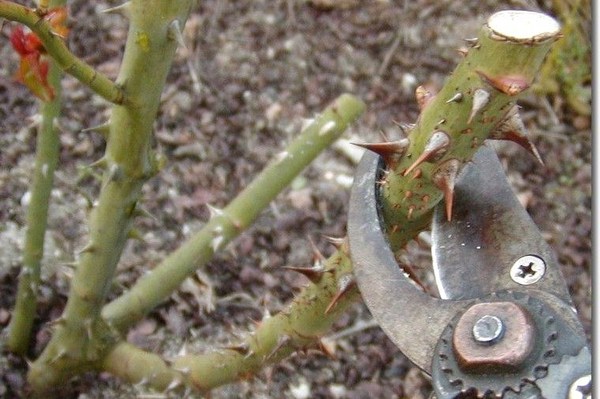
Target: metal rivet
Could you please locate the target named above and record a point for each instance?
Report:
(528, 270)
(488, 329)
(581, 388)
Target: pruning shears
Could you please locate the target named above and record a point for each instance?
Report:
(504, 324)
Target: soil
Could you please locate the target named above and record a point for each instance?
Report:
(251, 72)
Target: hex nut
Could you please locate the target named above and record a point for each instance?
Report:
(507, 353)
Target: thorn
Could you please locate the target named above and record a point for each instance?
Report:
(282, 341)
(511, 128)
(472, 41)
(142, 382)
(175, 383)
(89, 247)
(510, 85)
(217, 242)
(100, 163)
(213, 211)
(115, 173)
(405, 127)
(141, 211)
(424, 96)
(175, 33)
(417, 175)
(88, 329)
(335, 241)
(314, 273)
(455, 98)
(411, 209)
(327, 348)
(463, 51)
(122, 9)
(183, 370)
(103, 129)
(436, 146)
(480, 99)
(445, 179)
(383, 135)
(242, 348)
(391, 152)
(345, 284)
(317, 255)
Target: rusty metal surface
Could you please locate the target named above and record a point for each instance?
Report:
(412, 319)
(508, 352)
(490, 230)
(474, 259)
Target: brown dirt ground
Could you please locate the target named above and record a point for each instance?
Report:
(261, 67)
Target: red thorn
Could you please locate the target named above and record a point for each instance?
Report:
(424, 96)
(391, 151)
(445, 179)
(510, 84)
(511, 128)
(436, 146)
(314, 273)
(345, 284)
(405, 127)
(317, 255)
(243, 348)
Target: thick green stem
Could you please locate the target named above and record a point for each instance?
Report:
(47, 151)
(298, 327)
(477, 102)
(81, 338)
(58, 50)
(226, 224)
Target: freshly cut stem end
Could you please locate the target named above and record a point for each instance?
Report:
(523, 26)
(473, 106)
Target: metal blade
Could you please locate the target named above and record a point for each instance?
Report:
(412, 319)
(489, 233)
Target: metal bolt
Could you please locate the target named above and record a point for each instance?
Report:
(528, 270)
(581, 388)
(507, 327)
(488, 329)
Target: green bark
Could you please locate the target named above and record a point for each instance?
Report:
(497, 67)
(81, 338)
(299, 327)
(47, 152)
(226, 224)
